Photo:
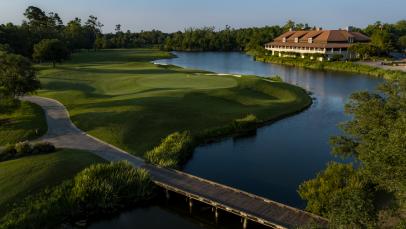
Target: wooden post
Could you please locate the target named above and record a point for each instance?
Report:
(167, 194)
(216, 214)
(190, 205)
(245, 223)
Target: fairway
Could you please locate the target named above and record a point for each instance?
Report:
(123, 99)
(28, 175)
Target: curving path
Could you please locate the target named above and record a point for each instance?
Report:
(64, 134)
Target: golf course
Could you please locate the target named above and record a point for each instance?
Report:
(122, 98)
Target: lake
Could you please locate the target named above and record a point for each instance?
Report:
(278, 157)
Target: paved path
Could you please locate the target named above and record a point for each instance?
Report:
(64, 134)
(378, 64)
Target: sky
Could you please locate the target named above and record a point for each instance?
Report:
(174, 15)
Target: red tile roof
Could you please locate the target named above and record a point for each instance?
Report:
(322, 36)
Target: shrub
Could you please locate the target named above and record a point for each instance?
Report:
(172, 151)
(98, 189)
(8, 152)
(103, 188)
(23, 148)
(43, 147)
(276, 78)
(247, 122)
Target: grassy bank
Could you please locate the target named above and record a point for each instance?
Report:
(23, 123)
(331, 66)
(122, 98)
(29, 175)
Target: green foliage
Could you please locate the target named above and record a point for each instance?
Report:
(364, 51)
(172, 151)
(402, 42)
(17, 76)
(52, 50)
(26, 176)
(249, 121)
(341, 195)
(8, 152)
(276, 78)
(228, 39)
(319, 191)
(98, 190)
(105, 188)
(23, 149)
(375, 138)
(43, 147)
(333, 66)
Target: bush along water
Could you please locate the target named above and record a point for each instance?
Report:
(331, 65)
(172, 151)
(99, 190)
(25, 148)
(177, 147)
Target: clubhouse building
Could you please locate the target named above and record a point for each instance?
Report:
(317, 44)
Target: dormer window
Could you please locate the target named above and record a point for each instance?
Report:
(350, 40)
(310, 40)
(284, 40)
(296, 39)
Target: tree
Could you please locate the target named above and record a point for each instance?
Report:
(364, 51)
(402, 42)
(376, 139)
(52, 50)
(93, 27)
(382, 39)
(341, 195)
(74, 34)
(17, 76)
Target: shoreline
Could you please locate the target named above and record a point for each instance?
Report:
(344, 67)
(226, 131)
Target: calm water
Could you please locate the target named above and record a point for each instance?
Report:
(280, 156)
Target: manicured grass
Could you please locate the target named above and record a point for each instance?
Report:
(122, 98)
(29, 175)
(25, 123)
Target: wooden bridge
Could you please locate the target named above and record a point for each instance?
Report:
(248, 206)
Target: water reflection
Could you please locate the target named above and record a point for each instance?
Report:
(282, 155)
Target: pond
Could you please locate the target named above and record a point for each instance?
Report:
(280, 156)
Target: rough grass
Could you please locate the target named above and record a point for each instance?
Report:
(29, 175)
(122, 98)
(24, 123)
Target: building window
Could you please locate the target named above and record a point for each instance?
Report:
(351, 40)
(310, 40)
(296, 39)
(284, 39)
